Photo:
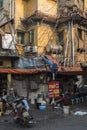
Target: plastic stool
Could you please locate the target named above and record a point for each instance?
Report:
(86, 97)
(77, 100)
(72, 101)
(82, 99)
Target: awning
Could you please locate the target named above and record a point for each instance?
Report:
(75, 70)
(67, 71)
(72, 71)
(21, 71)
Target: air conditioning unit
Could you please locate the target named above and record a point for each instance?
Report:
(30, 49)
(27, 48)
(34, 49)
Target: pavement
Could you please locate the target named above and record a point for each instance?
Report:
(49, 113)
(58, 111)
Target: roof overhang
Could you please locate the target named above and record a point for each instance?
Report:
(76, 17)
(21, 71)
(72, 72)
(40, 70)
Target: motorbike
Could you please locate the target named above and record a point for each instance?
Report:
(20, 110)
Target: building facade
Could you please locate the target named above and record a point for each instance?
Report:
(43, 27)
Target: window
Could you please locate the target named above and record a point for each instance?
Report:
(1, 63)
(31, 36)
(1, 3)
(0, 41)
(61, 38)
(82, 4)
(20, 37)
(80, 33)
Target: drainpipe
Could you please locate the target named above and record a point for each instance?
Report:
(67, 44)
(72, 43)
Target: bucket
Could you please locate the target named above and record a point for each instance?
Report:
(42, 108)
(32, 101)
(66, 109)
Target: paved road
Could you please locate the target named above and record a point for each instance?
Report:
(56, 121)
(70, 122)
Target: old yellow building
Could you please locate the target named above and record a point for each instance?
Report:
(47, 26)
(56, 28)
(51, 26)
(38, 31)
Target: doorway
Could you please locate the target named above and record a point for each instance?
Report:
(3, 84)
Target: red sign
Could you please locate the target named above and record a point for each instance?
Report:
(53, 89)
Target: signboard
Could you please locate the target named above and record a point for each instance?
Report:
(53, 89)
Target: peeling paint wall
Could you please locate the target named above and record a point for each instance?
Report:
(5, 63)
(71, 36)
(48, 7)
(22, 85)
(19, 12)
(85, 4)
(30, 7)
(45, 35)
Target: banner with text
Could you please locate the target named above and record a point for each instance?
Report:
(53, 89)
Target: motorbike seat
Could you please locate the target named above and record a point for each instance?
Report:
(18, 99)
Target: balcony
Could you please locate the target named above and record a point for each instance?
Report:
(63, 3)
(8, 53)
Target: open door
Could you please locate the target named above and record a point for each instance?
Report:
(3, 84)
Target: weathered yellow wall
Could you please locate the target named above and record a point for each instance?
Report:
(85, 4)
(19, 12)
(30, 7)
(6, 63)
(79, 4)
(45, 35)
(78, 57)
(48, 6)
(23, 9)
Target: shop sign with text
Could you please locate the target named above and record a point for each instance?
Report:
(53, 89)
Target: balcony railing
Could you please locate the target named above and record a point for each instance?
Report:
(31, 49)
